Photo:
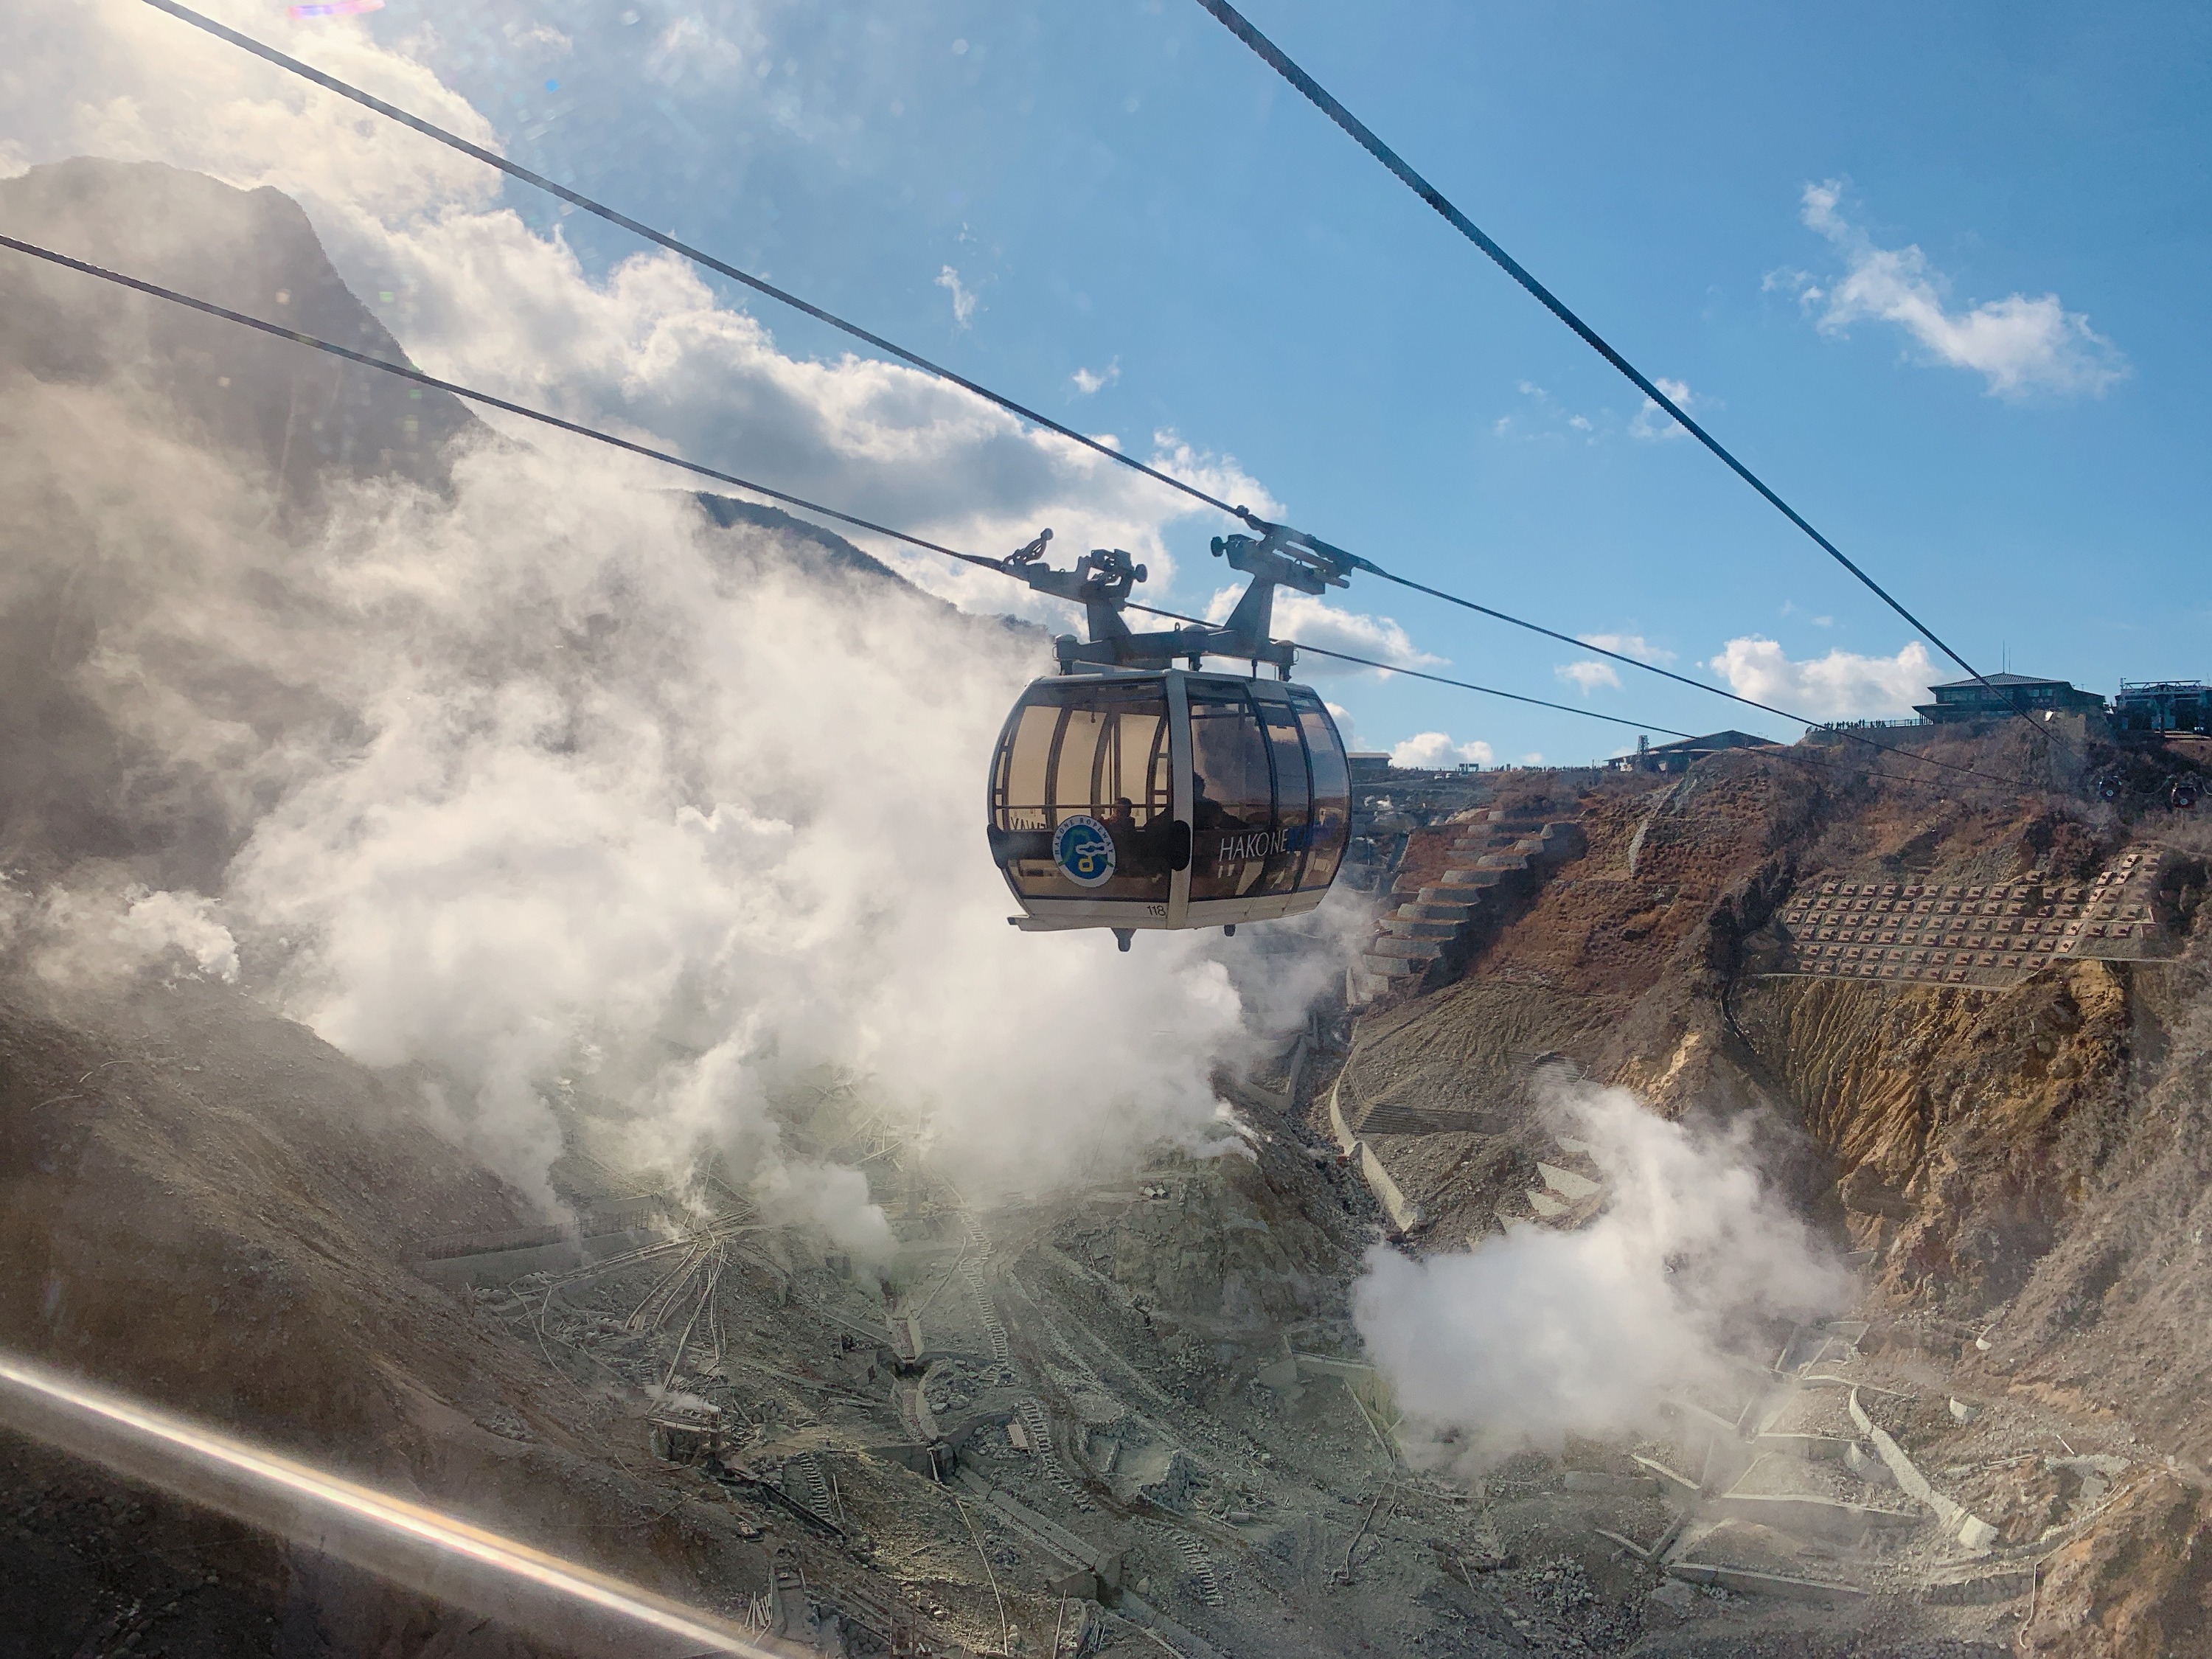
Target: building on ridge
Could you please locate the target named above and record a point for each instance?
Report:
(1682, 754)
(1996, 695)
(2163, 706)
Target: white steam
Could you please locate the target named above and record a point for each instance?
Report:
(606, 812)
(99, 933)
(593, 813)
(681, 832)
(1542, 1332)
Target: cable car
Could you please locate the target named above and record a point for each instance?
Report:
(1128, 793)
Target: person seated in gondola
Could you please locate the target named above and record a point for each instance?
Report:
(1121, 824)
(1145, 849)
(1206, 813)
(1214, 826)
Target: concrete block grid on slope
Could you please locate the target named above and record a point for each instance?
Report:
(1434, 921)
(1993, 935)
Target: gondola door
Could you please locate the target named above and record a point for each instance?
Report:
(1085, 797)
(1178, 692)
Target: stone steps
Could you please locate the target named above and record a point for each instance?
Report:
(1434, 916)
(1199, 1566)
(1402, 926)
(805, 1473)
(1423, 951)
(1435, 910)
(1471, 887)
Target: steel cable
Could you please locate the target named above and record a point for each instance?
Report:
(1654, 668)
(662, 238)
(1270, 54)
(1565, 708)
(407, 372)
(1423, 674)
(1236, 22)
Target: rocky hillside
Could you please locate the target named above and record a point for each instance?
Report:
(2018, 1163)
(303, 418)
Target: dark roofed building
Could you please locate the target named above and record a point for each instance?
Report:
(1685, 752)
(1368, 766)
(1995, 696)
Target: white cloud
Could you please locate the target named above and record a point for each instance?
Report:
(964, 302)
(1428, 750)
(1546, 420)
(1590, 674)
(2018, 345)
(1346, 727)
(1217, 475)
(1630, 645)
(540, 34)
(709, 54)
(1653, 424)
(1088, 383)
(1842, 685)
(1314, 622)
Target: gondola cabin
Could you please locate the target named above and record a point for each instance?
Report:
(1167, 798)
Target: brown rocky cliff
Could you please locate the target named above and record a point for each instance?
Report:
(2030, 1166)
(2139, 1587)
(1962, 1124)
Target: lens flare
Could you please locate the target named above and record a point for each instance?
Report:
(416, 1547)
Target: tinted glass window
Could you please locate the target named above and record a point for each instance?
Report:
(1332, 792)
(1233, 807)
(1286, 749)
(1018, 791)
(1098, 755)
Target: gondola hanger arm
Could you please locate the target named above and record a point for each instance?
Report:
(1279, 556)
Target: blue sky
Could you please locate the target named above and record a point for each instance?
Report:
(1125, 193)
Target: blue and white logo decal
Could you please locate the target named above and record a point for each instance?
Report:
(1083, 851)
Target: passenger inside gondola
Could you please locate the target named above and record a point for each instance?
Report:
(1128, 845)
(1145, 849)
(1206, 813)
